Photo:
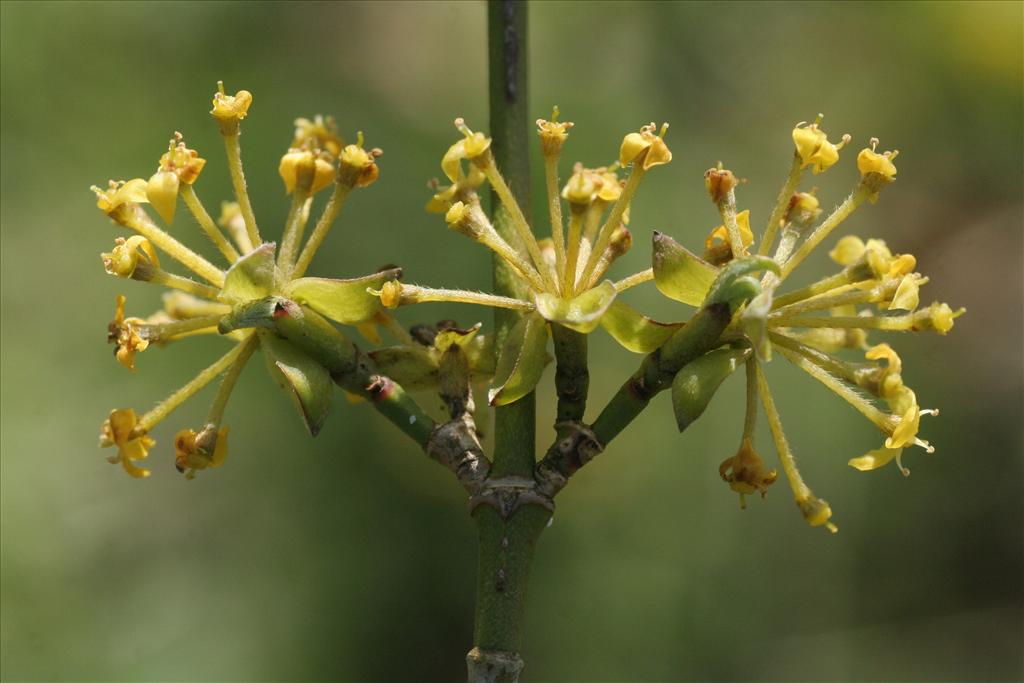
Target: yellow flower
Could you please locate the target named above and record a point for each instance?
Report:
(124, 332)
(553, 133)
(874, 255)
(128, 255)
(229, 110)
(869, 161)
(745, 472)
(804, 208)
(876, 170)
(184, 162)
(886, 382)
(938, 317)
(907, 417)
(120, 193)
(813, 147)
(718, 248)
(471, 146)
(320, 133)
(358, 166)
(305, 170)
(119, 430)
(208, 448)
(645, 147)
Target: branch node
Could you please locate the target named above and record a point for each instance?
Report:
(577, 446)
(455, 445)
(493, 666)
(508, 494)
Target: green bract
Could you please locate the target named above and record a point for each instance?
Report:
(679, 273)
(522, 360)
(698, 381)
(344, 301)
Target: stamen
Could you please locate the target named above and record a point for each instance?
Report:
(460, 125)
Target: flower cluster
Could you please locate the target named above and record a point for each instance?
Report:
(562, 277)
(223, 300)
(559, 288)
(812, 326)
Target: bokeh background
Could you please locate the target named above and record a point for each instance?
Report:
(351, 557)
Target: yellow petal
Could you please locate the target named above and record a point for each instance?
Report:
(874, 459)
(870, 161)
(633, 145)
(848, 250)
(162, 192)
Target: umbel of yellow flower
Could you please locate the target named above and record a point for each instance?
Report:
(810, 326)
(221, 299)
(561, 277)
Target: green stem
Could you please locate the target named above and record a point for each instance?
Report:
(507, 541)
(572, 378)
(700, 335)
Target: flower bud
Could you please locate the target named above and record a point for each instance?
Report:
(306, 171)
(391, 294)
(582, 186)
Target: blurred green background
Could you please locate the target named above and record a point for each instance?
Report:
(351, 557)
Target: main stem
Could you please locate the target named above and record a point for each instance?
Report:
(507, 543)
